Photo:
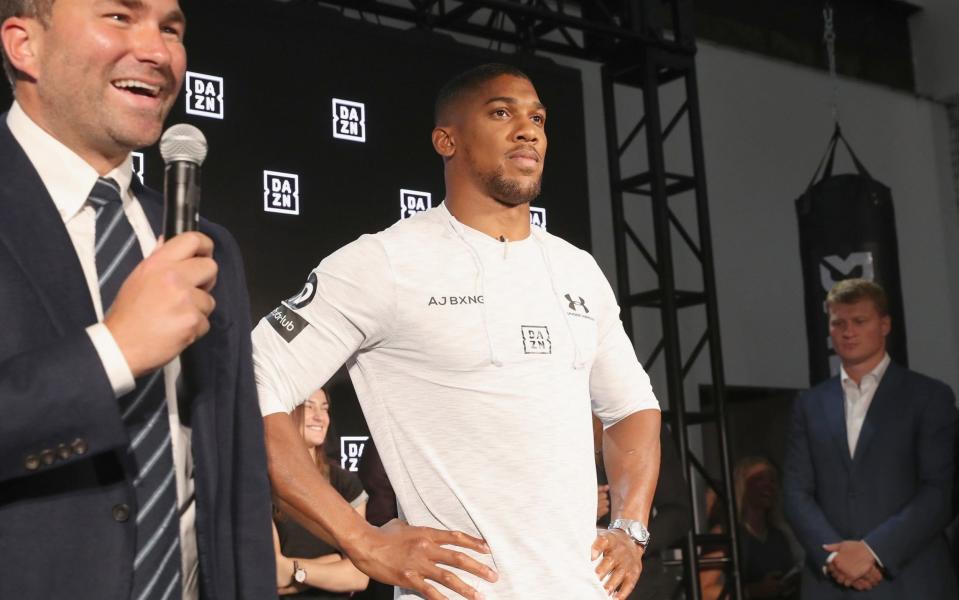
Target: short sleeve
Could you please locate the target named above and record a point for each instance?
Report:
(346, 305)
(618, 384)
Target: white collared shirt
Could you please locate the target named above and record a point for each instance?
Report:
(69, 180)
(858, 398)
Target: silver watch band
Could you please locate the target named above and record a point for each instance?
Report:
(636, 530)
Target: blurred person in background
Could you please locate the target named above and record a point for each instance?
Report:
(768, 562)
(306, 566)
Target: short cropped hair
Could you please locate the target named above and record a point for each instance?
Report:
(36, 9)
(850, 291)
(458, 87)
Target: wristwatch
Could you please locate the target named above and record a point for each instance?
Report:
(634, 529)
(299, 574)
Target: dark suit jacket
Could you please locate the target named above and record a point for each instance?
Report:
(895, 493)
(62, 527)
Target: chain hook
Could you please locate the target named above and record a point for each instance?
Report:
(829, 39)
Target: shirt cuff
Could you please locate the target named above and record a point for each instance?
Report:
(118, 371)
(829, 559)
(874, 555)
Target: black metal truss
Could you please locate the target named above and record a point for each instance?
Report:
(655, 185)
(645, 44)
(586, 29)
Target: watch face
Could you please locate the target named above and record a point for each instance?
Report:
(634, 529)
(638, 532)
(299, 575)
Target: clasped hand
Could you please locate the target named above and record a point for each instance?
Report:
(854, 565)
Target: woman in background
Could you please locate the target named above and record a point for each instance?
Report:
(306, 566)
(768, 564)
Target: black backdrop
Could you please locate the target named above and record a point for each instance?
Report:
(280, 67)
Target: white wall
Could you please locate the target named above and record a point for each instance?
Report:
(766, 124)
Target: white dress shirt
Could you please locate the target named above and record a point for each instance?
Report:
(857, 398)
(69, 180)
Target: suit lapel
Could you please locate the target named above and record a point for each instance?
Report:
(35, 234)
(835, 411)
(882, 407)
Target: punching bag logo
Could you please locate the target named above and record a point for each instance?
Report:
(834, 269)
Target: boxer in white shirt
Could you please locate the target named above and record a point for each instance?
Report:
(478, 347)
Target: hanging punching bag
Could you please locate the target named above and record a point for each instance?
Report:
(847, 229)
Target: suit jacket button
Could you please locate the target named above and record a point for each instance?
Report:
(64, 451)
(121, 512)
(47, 456)
(79, 446)
(32, 462)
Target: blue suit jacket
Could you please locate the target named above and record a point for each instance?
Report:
(895, 493)
(60, 536)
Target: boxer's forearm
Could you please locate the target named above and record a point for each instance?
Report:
(631, 454)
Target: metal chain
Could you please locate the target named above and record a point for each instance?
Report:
(829, 38)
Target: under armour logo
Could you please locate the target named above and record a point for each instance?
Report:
(573, 303)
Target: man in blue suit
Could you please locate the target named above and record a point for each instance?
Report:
(132, 462)
(869, 466)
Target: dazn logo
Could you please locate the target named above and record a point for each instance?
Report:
(351, 451)
(412, 202)
(281, 192)
(537, 216)
(349, 120)
(204, 95)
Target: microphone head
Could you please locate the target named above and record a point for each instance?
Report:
(183, 142)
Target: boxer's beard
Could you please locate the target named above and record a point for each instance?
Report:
(510, 191)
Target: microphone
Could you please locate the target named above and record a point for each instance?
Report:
(183, 148)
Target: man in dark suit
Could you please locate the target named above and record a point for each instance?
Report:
(869, 466)
(125, 471)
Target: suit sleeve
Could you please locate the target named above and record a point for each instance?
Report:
(926, 515)
(56, 397)
(799, 490)
(253, 544)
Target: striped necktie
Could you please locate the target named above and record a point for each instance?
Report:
(156, 566)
